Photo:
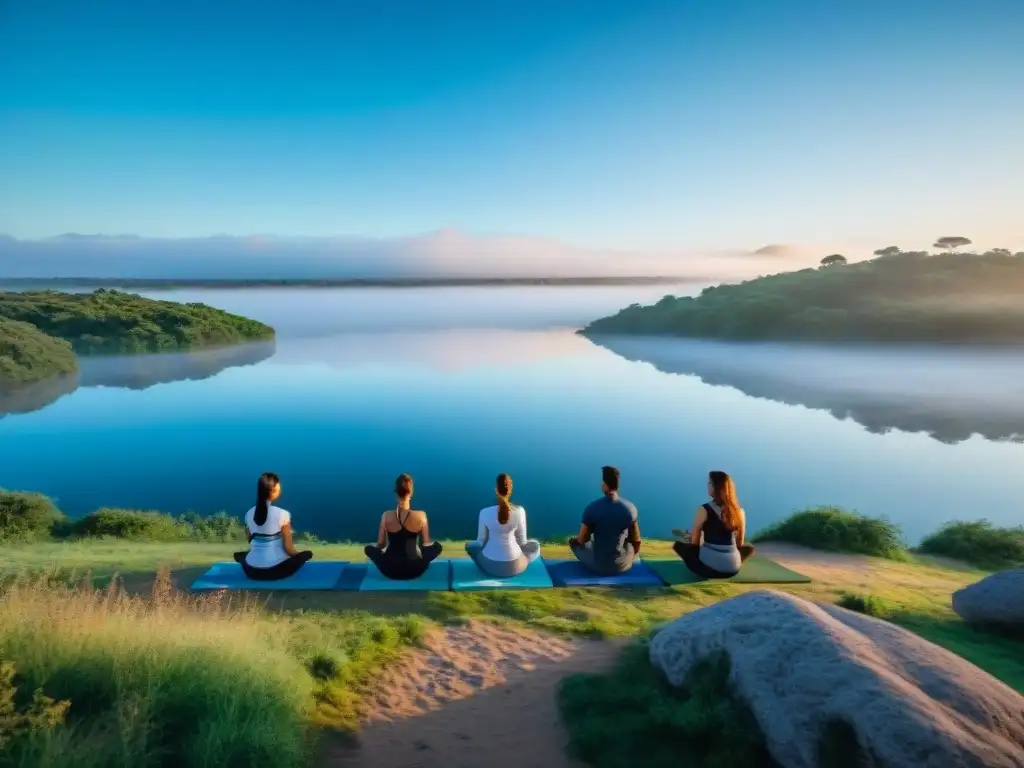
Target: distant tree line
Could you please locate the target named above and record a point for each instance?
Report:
(898, 296)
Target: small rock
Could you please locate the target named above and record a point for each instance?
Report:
(997, 599)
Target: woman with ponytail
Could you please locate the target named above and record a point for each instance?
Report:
(272, 554)
(501, 548)
(716, 549)
(403, 550)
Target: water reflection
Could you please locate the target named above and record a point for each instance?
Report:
(133, 372)
(38, 395)
(949, 394)
(448, 351)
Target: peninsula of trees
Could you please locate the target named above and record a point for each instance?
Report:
(40, 332)
(952, 298)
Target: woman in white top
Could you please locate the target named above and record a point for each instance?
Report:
(501, 548)
(272, 554)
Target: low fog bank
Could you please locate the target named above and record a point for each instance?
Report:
(442, 254)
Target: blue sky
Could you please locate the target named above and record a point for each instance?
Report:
(621, 124)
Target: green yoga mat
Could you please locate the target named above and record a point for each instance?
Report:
(756, 570)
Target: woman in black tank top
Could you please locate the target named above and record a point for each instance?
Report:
(716, 548)
(398, 553)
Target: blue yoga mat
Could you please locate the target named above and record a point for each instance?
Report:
(436, 579)
(571, 573)
(351, 578)
(312, 575)
(466, 576)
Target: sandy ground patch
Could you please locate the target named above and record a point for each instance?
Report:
(476, 695)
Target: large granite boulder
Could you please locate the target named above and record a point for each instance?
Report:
(997, 599)
(803, 667)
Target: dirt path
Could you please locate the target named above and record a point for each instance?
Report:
(485, 695)
(477, 695)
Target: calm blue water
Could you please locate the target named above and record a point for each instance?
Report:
(456, 385)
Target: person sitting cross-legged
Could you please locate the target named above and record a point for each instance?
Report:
(716, 549)
(403, 550)
(501, 548)
(609, 537)
(272, 554)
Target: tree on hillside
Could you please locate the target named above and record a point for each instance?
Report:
(835, 260)
(1001, 251)
(950, 244)
(891, 250)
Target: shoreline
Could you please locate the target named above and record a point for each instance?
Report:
(401, 282)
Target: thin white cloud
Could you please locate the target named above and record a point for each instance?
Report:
(445, 253)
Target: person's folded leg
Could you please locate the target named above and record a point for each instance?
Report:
(501, 569)
(430, 551)
(282, 570)
(531, 550)
(373, 554)
(690, 554)
(746, 550)
(240, 557)
(584, 554)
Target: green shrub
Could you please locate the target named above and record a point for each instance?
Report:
(834, 529)
(128, 524)
(632, 716)
(26, 515)
(979, 543)
(869, 605)
(152, 682)
(141, 525)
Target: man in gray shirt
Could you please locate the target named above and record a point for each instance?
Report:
(609, 537)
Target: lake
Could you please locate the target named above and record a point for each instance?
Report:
(454, 385)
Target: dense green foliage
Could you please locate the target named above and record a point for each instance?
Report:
(143, 525)
(632, 716)
(979, 543)
(834, 529)
(901, 297)
(33, 516)
(25, 516)
(28, 355)
(869, 605)
(108, 321)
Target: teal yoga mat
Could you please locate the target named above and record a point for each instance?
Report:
(315, 574)
(466, 576)
(756, 570)
(436, 579)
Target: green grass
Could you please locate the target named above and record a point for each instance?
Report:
(979, 543)
(632, 716)
(330, 646)
(834, 529)
(28, 355)
(170, 679)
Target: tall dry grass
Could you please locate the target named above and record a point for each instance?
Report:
(171, 679)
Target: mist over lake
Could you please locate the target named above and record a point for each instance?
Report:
(454, 385)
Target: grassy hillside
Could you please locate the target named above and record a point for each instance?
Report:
(901, 297)
(93, 632)
(107, 321)
(28, 355)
